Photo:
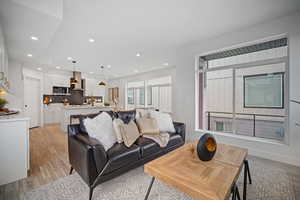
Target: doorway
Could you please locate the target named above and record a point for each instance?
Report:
(32, 101)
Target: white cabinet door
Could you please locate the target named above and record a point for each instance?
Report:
(52, 113)
(60, 80)
(48, 84)
(99, 91)
(90, 86)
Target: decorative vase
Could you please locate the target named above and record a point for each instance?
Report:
(206, 147)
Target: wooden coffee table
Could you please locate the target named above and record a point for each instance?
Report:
(212, 180)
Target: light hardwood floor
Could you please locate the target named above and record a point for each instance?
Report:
(48, 161)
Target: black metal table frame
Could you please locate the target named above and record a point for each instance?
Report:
(234, 189)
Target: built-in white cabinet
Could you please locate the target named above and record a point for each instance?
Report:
(14, 148)
(52, 113)
(93, 89)
(51, 80)
(89, 86)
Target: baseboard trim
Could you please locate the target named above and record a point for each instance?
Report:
(292, 160)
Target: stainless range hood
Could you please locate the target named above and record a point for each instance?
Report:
(77, 77)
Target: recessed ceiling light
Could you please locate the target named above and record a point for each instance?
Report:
(91, 72)
(91, 40)
(138, 54)
(29, 55)
(34, 38)
(108, 66)
(57, 67)
(70, 58)
(166, 64)
(136, 71)
(39, 68)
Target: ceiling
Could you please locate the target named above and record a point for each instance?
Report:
(121, 29)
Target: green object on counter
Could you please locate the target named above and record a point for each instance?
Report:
(3, 102)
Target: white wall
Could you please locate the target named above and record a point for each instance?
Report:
(121, 82)
(15, 96)
(185, 85)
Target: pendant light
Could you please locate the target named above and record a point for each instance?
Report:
(73, 80)
(102, 83)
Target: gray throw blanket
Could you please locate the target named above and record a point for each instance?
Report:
(162, 138)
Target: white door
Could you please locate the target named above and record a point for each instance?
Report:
(32, 101)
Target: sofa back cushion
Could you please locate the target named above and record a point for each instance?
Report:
(130, 133)
(164, 121)
(112, 114)
(126, 116)
(116, 124)
(101, 128)
(147, 126)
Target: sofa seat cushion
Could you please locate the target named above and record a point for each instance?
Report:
(148, 146)
(175, 139)
(119, 155)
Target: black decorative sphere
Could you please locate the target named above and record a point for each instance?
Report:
(206, 147)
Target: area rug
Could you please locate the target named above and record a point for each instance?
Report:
(271, 181)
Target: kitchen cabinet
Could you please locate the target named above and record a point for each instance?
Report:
(93, 89)
(90, 86)
(51, 80)
(99, 91)
(52, 113)
(14, 148)
(60, 80)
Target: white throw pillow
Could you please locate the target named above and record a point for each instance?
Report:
(142, 113)
(101, 128)
(164, 121)
(116, 125)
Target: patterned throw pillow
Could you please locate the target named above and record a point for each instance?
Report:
(130, 133)
(148, 126)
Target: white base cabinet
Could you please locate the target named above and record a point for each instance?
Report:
(14, 149)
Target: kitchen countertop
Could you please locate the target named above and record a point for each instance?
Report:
(15, 117)
(75, 107)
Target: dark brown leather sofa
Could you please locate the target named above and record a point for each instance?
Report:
(89, 159)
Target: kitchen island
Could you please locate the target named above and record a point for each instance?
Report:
(14, 148)
(69, 110)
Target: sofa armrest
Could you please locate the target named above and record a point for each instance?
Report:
(86, 154)
(180, 129)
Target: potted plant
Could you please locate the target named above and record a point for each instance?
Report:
(3, 102)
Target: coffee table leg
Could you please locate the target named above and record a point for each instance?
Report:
(246, 176)
(149, 188)
(235, 192)
(233, 196)
(248, 171)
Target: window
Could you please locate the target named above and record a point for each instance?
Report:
(160, 94)
(241, 91)
(149, 95)
(130, 96)
(220, 126)
(154, 93)
(264, 91)
(141, 92)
